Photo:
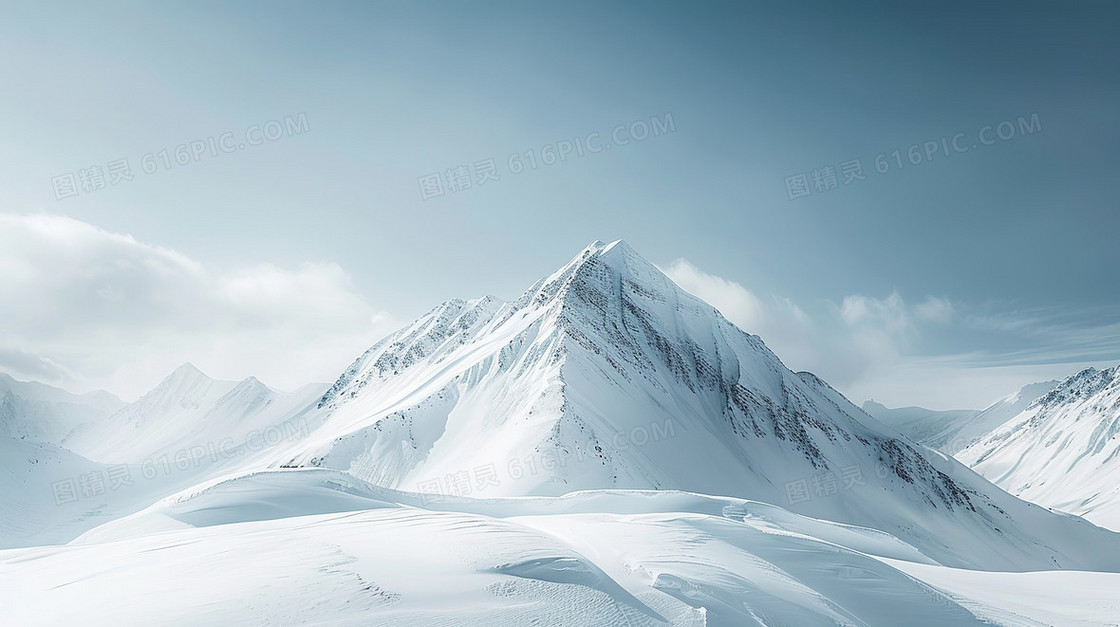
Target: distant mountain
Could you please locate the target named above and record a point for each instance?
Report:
(953, 430)
(188, 410)
(42, 413)
(69, 463)
(607, 375)
(1063, 451)
(932, 428)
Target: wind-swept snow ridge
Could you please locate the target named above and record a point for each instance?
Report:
(363, 555)
(607, 375)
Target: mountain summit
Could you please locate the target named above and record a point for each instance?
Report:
(607, 375)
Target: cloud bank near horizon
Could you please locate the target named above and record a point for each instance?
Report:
(85, 308)
(892, 350)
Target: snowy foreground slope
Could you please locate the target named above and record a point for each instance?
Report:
(952, 431)
(606, 449)
(1063, 451)
(35, 420)
(231, 552)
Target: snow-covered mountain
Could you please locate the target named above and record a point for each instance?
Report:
(605, 449)
(952, 431)
(188, 411)
(42, 413)
(607, 375)
(1063, 451)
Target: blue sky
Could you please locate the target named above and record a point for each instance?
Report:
(957, 274)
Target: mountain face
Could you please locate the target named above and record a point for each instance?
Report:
(41, 413)
(607, 375)
(186, 411)
(952, 431)
(1063, 451)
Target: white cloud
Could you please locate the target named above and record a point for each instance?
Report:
(782, 324)
(120, 314)
(893, 351)
(734, 301)
(851, 345)
(31, 366)
(875, 332)
(934, 309)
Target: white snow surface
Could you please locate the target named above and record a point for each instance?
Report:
(304, 546)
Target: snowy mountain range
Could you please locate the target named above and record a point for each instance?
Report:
(188, 409)
(1051, 443)
(69, 463)
(42, 413)
(954, 430)
(604, 449)
(1063, 451)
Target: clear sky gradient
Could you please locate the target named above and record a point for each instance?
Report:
(944, 275)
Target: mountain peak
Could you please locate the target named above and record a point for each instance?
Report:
(870, 406)
(187, 371)
(1084, 384)
(598, 273)
(601, 248)
(184, 380)
(617, 250)
(252, 382)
